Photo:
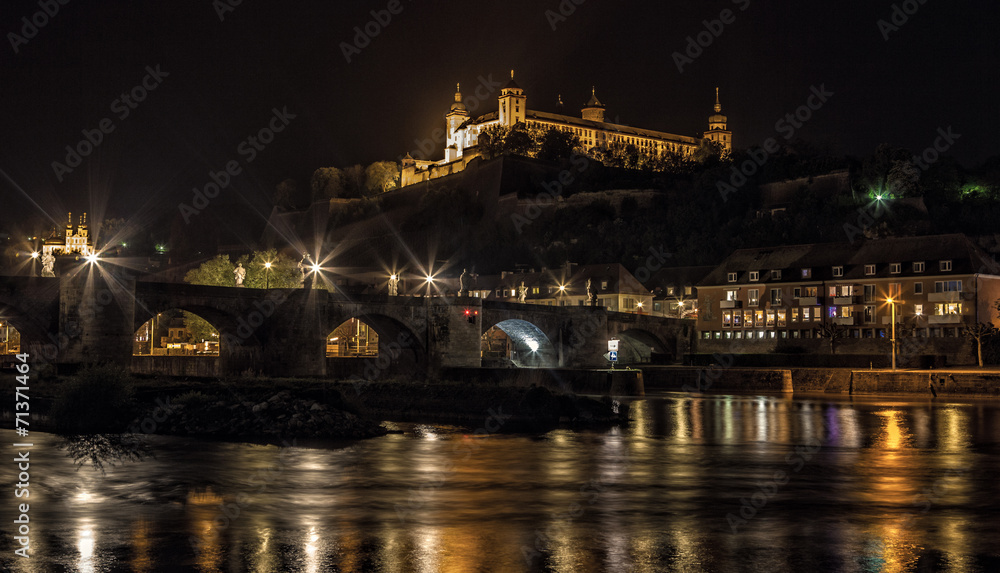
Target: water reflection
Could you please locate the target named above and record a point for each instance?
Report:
(879, 486)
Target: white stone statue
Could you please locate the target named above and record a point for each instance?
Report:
(462, 286)
(522, 293)
(303, 266)
(48, 265)
(394, 285)
(240, 273)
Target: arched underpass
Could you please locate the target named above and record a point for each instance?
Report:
(372, 346)
(641, 347)
(519, 343)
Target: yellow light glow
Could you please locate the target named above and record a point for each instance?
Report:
(34, 255)
(267, 265)
(316, 268)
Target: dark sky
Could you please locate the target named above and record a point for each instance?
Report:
(938, 69)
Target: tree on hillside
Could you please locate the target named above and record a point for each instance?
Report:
(889, 171)
(327, 183)
(557, 145)
(381, 176)
(491, 141)
(213, 272)
(199, 329)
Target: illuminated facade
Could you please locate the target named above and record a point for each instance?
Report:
(463, 132)
(73, 242)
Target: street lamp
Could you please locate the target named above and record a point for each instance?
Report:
(267, 275)
(892, 306)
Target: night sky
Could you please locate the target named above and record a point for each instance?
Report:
(224, 76)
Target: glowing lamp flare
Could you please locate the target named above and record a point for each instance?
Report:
(316, 268)
(92, 258)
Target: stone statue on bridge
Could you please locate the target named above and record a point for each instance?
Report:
(304, 263)
(48, 265)
(240, 273)
(522, 293)
(463, 288)
(394, 285)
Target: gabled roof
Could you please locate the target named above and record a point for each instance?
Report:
(821, 258)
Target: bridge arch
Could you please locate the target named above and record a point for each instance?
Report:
(176, 332)
(639, 346)
(392, 346)
(522, 343)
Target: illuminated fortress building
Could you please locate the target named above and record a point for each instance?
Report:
(463, 132)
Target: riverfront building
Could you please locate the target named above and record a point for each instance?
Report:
(785, 298)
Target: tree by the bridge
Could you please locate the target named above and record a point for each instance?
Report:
(199, 329)
(218, 271)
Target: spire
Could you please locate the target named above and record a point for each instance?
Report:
(594, 102)
(458, 92)
(512, 74)
(718, 106)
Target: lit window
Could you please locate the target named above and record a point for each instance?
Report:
(807, 273)
(919, 309)
(753, 297)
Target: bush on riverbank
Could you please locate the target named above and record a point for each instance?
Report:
(100, 399)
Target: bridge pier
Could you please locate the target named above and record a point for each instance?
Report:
(95, 316)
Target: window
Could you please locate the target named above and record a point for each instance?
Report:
(918, 267)
(781, 318)
(754, 276)
(731, 277)
(810, 291)
(727, 318)
(807, 273)
(688, 291)
(838, 271)
(753, 297)
(895, 268)
(670, 291)
(869, 314)
(776, 275)
(895, 291)
(775, 296)
(869, 293)
(948, 286)
(869, 270)
(604, 285)
(732, 294)
(534, 290)
(945, 266)
(842, 290)
(748, 318)
(805, 314)
(770, 319)
(737, 319)
(918, 309)
(796, 292)
(795, 315)
(758, 317)
(948, 308)
(918, 288)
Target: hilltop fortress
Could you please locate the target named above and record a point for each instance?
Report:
(463, 131)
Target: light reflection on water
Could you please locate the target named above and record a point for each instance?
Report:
(877, 485)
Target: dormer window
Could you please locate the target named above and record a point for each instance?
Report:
(807, 273)
(838, 271)
(754, 276)
(776, 275)
(945, 266)
(731, 277)
(895, 268)
(869, 270)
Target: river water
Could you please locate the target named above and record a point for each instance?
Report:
(827, 484)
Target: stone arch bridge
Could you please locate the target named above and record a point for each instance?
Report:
(93, 316)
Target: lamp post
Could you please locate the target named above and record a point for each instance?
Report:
(267, 275)
(892, 307)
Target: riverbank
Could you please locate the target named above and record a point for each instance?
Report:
(955, 382)
(277, 409)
